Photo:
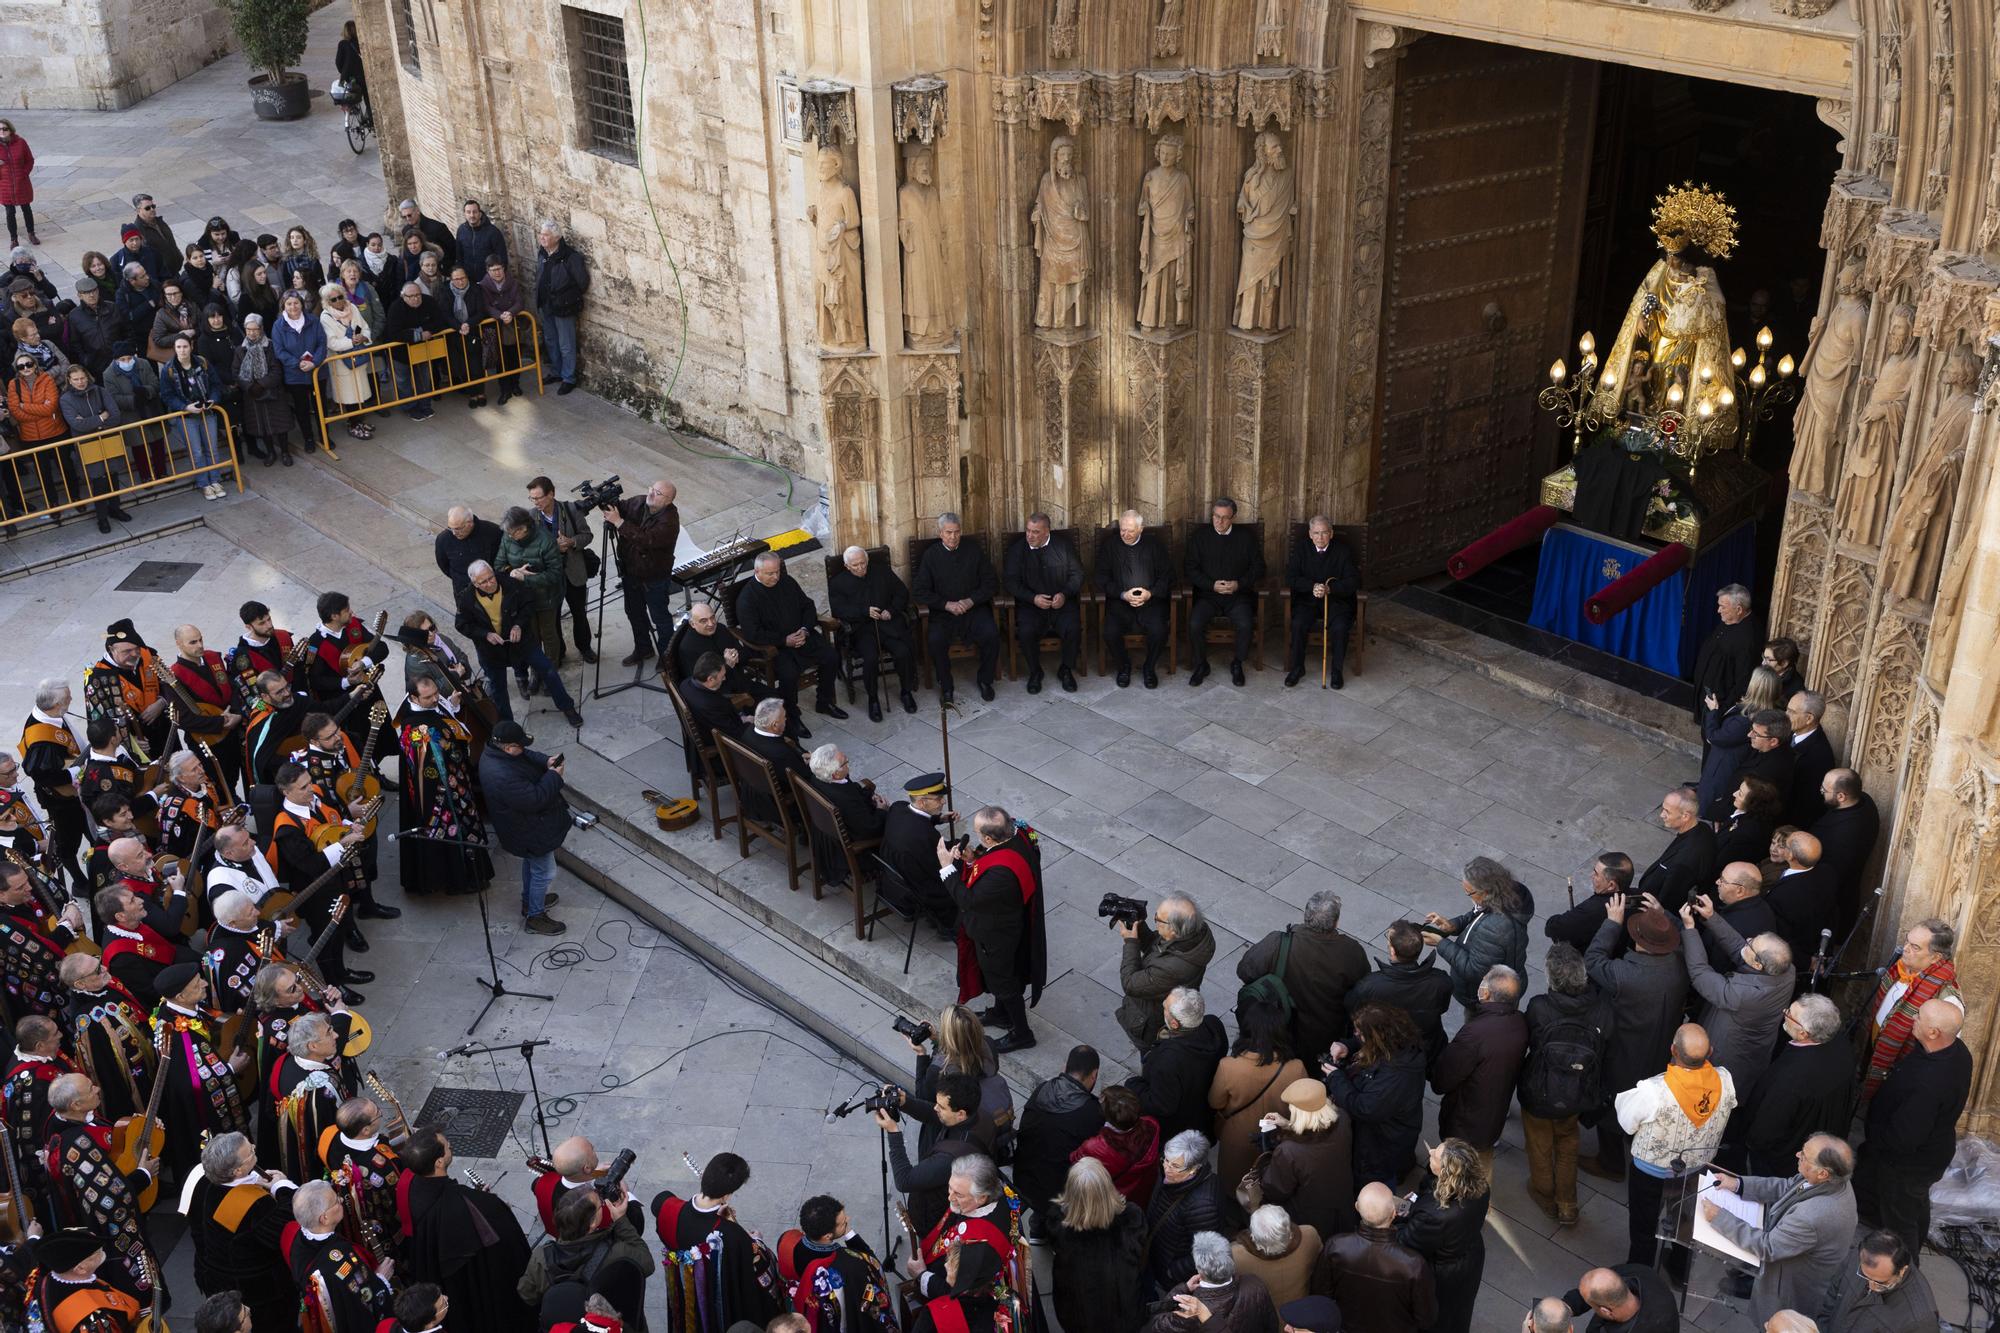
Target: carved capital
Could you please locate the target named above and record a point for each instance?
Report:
(1010, 100)
(1952, 304)
(917, 108)
(1159, 96)
(1806, 9)
(1853, 209)
(1382, 43)
(1322, 87)
(1837, 112)
(1218, 94)
(1903, 242)
(827, 111)
(1264, 95)
(1978, 791)
(1060, 95)
(1113, 94)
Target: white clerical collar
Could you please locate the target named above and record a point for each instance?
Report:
(40, 716)
(362, 1145)
(1321, 549)
(249, 1177)
(774, 735)
(983, 1211)
(1132, 541)
(182, 1009)
(123, 933)
(701, 1207)
(302, 811)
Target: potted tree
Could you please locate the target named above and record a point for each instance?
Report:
(273, 34)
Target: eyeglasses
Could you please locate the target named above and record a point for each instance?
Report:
(149, 208)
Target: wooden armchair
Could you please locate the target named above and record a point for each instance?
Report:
(1356, 537)
(707, 770)
(1082, 627)
(763, 804)
(761, 658)
(826, 828)
(1094, 596)
(1220, 631)
(844, 637)
(1003, 609)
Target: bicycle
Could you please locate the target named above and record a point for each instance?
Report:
(358, 120)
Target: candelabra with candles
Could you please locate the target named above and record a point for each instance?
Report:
(1570, 397)
(1760, 390)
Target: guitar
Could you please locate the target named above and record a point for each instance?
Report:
(133, 1135)
(364, 685)
(188, 703)
(360, 783)
(355, 652)
(907, 1287)
(384, 1097)
(360, 1036)
(53, 900)
(283, 902)
(169, 865)
(16, 1214)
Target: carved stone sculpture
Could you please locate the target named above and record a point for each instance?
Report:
(1167, 36)
(835, 214)
(1889, 105)
(1268, 206)
(1829, 365)
(1938, 178)
(1061, 218)
(1871, 462)
(1270, 27)
(1166, 239)
(1913, 552)
(1804, 9)
(920, 227)
(1062, 29)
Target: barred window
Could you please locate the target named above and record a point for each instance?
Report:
(603, 83)
(406, 36)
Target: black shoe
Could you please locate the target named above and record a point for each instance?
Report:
(1199, 674)
(1034, 682)
(477, 400)
(120, 512)
(637, 657)
(1235, 673)
(573, 716)
(1294, 676)
(1124, 676)
(286, 457)
(947, 694)
(351, 996)
(356, 941)
(992, 1017)
(358, 976)
(1013, 1041)
(1152, 679)
(832, 710)
(524, 687)
(104, 522)
(986, 691)
(381, 911)
(1067, 679)
(587, 655)
(1339, 681)
(909, 702)
(874, 709)
(568, 386)
(802, 731)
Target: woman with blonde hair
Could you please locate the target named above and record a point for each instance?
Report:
(963, 1048)
(1099, 1240)
(1725, 732)
(1444, 1224)
(352, 378)
(1309, 1171)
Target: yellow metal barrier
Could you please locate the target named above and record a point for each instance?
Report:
(401, 373)
(154, 455)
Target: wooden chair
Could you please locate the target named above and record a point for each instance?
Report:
(1082, 625)
(843, 637)
(1356, 537)
(710, 773)
(1220, 631)
(753, 776)
(761, 659)
(1003, 610)
(894, 896)
(824, 819)
(1098, 597)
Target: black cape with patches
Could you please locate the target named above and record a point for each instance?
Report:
(469, 1243)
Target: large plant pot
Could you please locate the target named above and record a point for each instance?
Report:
(288, 99)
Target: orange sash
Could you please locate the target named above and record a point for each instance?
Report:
(1699, 1091)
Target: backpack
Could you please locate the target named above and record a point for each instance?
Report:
(1563, 1072)
(1270, 988)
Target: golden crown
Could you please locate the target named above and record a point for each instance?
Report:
(1698, 213)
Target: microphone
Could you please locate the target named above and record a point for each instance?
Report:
(457, 1050)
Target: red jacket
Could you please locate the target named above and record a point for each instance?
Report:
(16, 161)
(1132, 1156)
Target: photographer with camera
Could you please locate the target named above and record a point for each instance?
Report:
(646, 528)
(962, 1048)
(525, 802)
(949, 1125)
(1174, 951)
(573, 1166)
(591, 1252)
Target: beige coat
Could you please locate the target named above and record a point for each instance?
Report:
(1289, 1276)
(1242, 1093)
(353, 377)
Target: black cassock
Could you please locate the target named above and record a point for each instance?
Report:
(1003, 935)
(747, 1286)
(339, 1289)
(467, 1242)
(236, 1230)
(113, 1043)
(201, 1097)
(89, 1191)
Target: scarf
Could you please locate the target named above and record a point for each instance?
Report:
(1897, 1037)
(295, 325)
(373, 260)
(255, 361)
(1699, 1091)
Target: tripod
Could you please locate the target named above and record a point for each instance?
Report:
(598, 690)
(527, 1053)
(495, 985)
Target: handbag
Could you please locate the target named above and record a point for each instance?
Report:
(1250, 1189)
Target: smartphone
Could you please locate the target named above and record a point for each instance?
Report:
(556, 760)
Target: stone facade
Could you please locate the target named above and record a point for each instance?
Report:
(100, 55)
(1081, 365)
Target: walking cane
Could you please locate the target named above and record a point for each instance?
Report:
(945, 711)
(1325, 613)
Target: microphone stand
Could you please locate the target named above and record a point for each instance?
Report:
(526, 1050)
(1867, 911)
(496, 986)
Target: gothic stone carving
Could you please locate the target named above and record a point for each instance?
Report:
(828, 111)
(1913, 552)
(1167, 33)
(927, 301)
(1805, 9)
(1829, 369)
(1903, 243)
(1159, 371)
(1955, 293)
(1265, 95)
(933, 399)
(1878, 430)
(1260, 374)
(1270, 27)
(1061, 218)
(1166, 240)
(1802, 570)
(1899, 654)
(1846, 628)
(1159, 96)
(835, 214)
(1112, 98)
(1364, 278)
(1938, 178)
(1838, 113)
(1910, 792)
(1268, 206)
(917, 108)
(1010, 101)
(1218, 95)
(1062, 29)
(1060, 96)
(1065, 376)
(1853, 209)
(852, 411)
(1882, 144)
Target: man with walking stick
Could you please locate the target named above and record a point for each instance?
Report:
(1322, 576)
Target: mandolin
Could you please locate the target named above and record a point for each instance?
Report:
(134, 1134)
(355, 652)
(16, 1213)
(387, 1099)
(360, 782)
(150, 1319)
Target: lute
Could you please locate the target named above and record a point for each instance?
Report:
(133, 1135)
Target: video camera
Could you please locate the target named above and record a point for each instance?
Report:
(600, 494)
(882, 1099)
(1122, 911)
(911, 1028)
(608, 1185)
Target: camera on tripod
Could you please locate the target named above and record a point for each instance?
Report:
(882, 1099)
(1122, 911)
(608, 1184)
(600, 494)
(915, 1031)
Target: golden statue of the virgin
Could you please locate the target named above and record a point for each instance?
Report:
(1675, 336)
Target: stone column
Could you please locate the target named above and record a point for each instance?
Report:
(1260, 381)
(385, 96)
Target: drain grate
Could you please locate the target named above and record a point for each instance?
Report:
(476, 1120)
(159, 576)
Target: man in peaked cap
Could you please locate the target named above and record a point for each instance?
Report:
(909, 846)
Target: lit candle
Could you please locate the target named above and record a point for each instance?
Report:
(1705, 409)
(1736, 358)
(1587, 343)
(1674, 395)
(1558, 372)
(1764, 337)
(1610, 379)
(1785, 366)
(1728, 397)
(1757, 376)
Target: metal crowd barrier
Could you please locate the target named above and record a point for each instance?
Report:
(401, 373)
(138, 459)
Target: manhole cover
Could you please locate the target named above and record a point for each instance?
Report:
(476, 1120)
(159, 576)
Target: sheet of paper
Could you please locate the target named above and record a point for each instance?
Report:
(1730, 1202)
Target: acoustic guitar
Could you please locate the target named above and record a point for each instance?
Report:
(355, 652)
(360, 782)
(16, 1213)
(360, 1036)
(135, 1133)
(52, 900)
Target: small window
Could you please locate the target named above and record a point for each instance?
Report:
(406, 36)
(603, 83)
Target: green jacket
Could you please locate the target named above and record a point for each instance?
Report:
(539, 554)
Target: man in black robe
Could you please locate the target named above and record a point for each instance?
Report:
(1688, 862)
(346, 1286)
(861, 811)
(110, 1036)
(1320, 572)
(1812, 758)
(135, 953)
(1847, 832)
(38, 1062)
(276, 718)
(841, 1286)
(307, 819)
(1002, 941)
(1137, 580)
(700, 634)
(236, 1218)
(87, 1187)
(709, 708)
(766, 738)
(1045, 578)
(1730, 653)
(366, 1169)
(201, 1097)
(466, 1241)
(261, 647)
(1223, 563)
(30, 951)
(50, 750)
(874, 604)
(231, 960)
(745, 1285)
(955, 580)
(773, 612)
(78, 1288)
(909, 845)
(308, 1084)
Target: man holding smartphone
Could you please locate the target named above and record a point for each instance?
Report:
(525, 799)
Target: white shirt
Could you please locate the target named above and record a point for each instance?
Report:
(123, 933)
(257, 879)
(361, 1145)
(1800, 737)
(333, 850)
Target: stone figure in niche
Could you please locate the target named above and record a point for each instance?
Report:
(1940, 171)
(920, 226)
(1829, 365)
(1270, 27)
(1062, 28)
(1913, 552)
(1166, 239)
(1061, 218)
(1167, 36)
(1871, 461)
(1268, 206)
(835, 214)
